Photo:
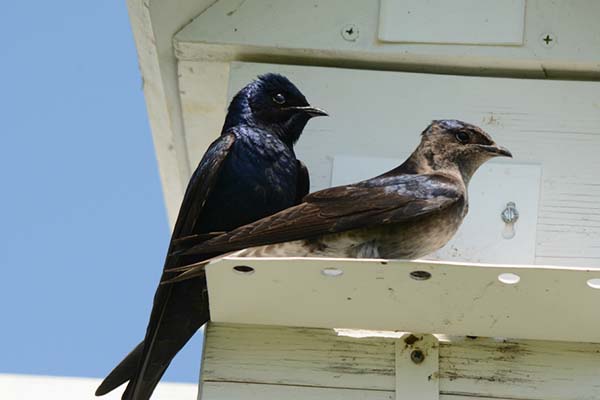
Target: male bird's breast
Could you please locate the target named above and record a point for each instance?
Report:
(258, 178)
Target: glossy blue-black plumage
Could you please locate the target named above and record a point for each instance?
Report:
(249, 172)
(264, 170)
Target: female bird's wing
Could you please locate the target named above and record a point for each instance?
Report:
(375, 202)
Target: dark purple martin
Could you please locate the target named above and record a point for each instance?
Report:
(406, 213)
(249, 172)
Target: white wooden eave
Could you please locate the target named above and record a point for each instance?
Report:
(171, 34)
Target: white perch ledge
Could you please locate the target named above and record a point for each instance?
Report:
(547, 303)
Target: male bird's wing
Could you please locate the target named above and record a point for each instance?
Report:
(302, 182)
(370, 203)
(135, 365)
(200, 185)
(183, 244)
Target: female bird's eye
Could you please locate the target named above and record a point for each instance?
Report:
(462, 137)
(279, 98)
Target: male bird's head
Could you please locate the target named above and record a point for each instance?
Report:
(274, 103)
(452, 144)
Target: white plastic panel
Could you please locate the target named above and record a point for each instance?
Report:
(483, 237)
(452, 22)
(381, 295)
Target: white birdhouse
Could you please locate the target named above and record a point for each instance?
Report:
(509, 308)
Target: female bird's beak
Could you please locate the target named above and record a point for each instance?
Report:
(497, 150)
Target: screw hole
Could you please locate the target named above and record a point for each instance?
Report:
(420, 275)
(509, 278)
(548, 39)
(594, 283)
(332, 272)
(243, 269)
(350, 32)
(417, 356)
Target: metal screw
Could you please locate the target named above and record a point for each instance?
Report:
(548, 39)
(417, 356)
(350, 32)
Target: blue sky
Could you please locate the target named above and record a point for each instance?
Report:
(84, 227)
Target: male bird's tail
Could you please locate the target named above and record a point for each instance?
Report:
(122, 372)
(185, 311)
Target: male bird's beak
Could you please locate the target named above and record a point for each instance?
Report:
(311, 111)
(497, 150)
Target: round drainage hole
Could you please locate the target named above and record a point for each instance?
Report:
(243, 269)
(332, 272)
(420, 275)
(509, 278)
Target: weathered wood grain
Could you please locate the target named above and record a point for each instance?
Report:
(297, 356)
(254, 391)
(520, 369)
(481, 368)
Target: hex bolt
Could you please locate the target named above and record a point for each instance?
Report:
(417, 356)
(350, 32)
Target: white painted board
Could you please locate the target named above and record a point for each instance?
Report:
(483, 237)
(548, 303)
(452, 22)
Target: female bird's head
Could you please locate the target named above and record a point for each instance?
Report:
(273, 103)
(452, 144)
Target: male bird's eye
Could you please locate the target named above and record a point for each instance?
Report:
(462, 137)
(279, 98)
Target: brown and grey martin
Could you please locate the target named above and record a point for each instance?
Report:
(406, 213)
